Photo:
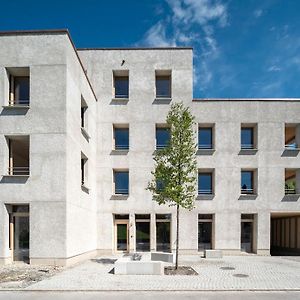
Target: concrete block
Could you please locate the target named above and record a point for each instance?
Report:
(163, 256)
(213, 254)
(129, 267)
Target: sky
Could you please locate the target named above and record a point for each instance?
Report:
(242, 48)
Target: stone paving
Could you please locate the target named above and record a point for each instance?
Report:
(229, 273)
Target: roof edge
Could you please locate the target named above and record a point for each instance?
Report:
(52, 31)
(244, 99)
(135, 48)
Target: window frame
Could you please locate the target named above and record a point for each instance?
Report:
(126, 191)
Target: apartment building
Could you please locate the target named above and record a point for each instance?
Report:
(78, 130)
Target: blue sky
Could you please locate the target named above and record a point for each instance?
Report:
(242, 48)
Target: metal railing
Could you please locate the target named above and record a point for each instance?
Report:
(247, 191)
(290, 191)
(18, 170)
(205, 146)
(121, 96)
(247, 146)
(161, 146)
(163, 96)
(292, 146)
(18, 102)
(205, 192)
(121, 147)
(121, 191)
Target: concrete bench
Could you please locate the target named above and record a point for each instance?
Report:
(126, 266)
(213, 254)
(163, 256)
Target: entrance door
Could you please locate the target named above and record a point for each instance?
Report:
(142, 236)
(247, 237)
(204, 235)
(163, 236)
(21, 237)
(121, 236)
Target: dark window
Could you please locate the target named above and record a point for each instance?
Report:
(121, 86)
(83, 170)
(247, 138)
(163, 236)
(163, 86)
(205, 138)
(21, 89)
(162, 137)
(83, 110)
(142, 235)
(204, 183)
(121, 182)
(121, 138)
(247, 182)
(204, 235)
(159, 185)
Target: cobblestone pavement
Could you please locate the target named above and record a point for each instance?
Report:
(229, 273)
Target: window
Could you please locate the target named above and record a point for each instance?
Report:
(121, 137)
(205, 183)
(121, 84)
(84, 170)
(247, 186)
(290, 181)
(121, 182)
(142, 230)
(205, 138)
(83, 113)
(205, 230)
(163, 232)
(163, 84)
(291, 137)
(247, 138)
(18, 155)
(162, 137)
(19, 86)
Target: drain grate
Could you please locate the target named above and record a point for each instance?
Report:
(241, 275)
(227, 268)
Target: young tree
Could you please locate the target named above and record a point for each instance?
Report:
(175, 174)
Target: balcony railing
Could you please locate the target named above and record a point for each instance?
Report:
(205, 146)
(292, 146)
(18, 171)
(121, 147)
(121, 191)
(163, 96)
(247, 191)
(290, 191)
(121, 96)
(161, 146)
(205, 192)
(18, 103)
(247, 146)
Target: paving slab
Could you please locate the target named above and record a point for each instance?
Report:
(260, 273)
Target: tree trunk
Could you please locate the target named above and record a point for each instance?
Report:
(177, 237)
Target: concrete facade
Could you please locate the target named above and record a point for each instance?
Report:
(70, 222)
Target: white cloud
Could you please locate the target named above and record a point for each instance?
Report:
(274, 68)
(191, 22)
(257, 13)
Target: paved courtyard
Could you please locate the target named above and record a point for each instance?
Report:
(229, 273)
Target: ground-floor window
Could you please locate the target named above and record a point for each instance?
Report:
(247, 226)
(121, 223)
(205, 230)
(163, 232)
(19, 232)
(142, 232)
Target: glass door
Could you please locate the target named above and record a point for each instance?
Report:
(122, 236)
(163, 236)
(246, 236)
(204, 235)
(21, 237)
(142, 236)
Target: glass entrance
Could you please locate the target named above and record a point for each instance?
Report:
(163, 236)
(21, 237)
(142, 236)
(204, 235)
(246, 236)
(122, 236)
